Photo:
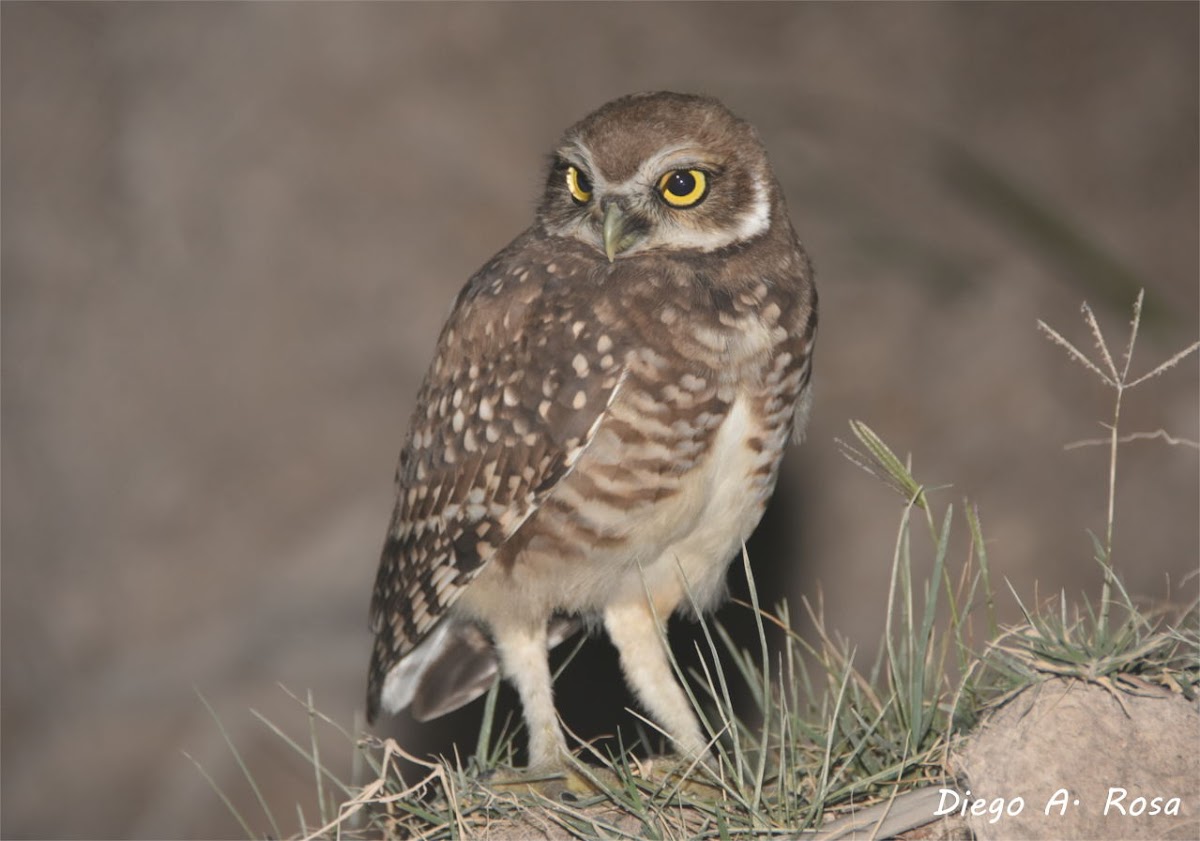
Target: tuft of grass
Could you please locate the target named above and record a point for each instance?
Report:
(1117, 645)
(1132, 651)
(249, 777)
(1119, 381)
(826, 735)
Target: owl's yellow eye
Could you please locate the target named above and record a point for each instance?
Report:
(579, 185)
(683, 187)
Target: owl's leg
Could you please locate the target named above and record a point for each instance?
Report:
(524, 656)
(641, 642)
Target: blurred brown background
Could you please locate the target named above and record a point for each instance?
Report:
(231, 232)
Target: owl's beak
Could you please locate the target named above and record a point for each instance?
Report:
(620, 230)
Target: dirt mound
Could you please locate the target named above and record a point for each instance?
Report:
(1066, 759)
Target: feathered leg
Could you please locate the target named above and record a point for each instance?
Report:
(524, 656)
(641, 642)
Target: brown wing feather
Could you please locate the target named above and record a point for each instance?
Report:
(501, 418)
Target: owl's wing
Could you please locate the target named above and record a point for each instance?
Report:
(514, 396)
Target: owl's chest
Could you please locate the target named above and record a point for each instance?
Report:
(687, 441)
(678, 471)
(737, 476)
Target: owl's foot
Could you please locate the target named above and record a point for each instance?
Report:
(697, 777)
(565, 783)
(577, 781)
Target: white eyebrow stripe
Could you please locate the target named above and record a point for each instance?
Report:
(577, 152)
(673, 157)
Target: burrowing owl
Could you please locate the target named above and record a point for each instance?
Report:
(603, 421)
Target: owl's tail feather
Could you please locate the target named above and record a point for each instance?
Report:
(455, 675)
(452, 667)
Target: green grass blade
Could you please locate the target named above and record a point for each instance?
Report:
(237, 756)
(221, 794)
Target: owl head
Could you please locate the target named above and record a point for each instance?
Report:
(659, 172)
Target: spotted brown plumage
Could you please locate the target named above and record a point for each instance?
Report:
(603, 421)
